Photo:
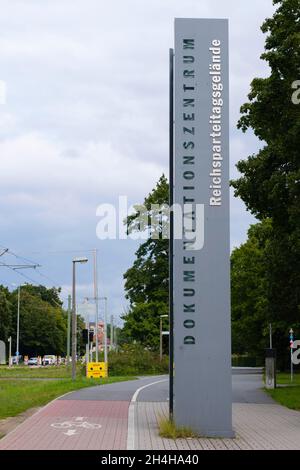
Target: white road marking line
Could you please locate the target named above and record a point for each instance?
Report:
(71, 432)
(131, 431)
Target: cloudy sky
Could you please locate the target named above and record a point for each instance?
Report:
(86, 120)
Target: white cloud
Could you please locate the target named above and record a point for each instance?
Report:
(33, 163)
(86, 117)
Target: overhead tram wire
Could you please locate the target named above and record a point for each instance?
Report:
(61, 251)
(18, 272)
(36, 265)
(33, 264)
(22, 258)
(54, 283)
(17, 267)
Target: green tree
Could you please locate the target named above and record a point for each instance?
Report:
(269, 182)
(43, 326)
(5, 314)
(48, 294)
(146, 282)
(249, 304)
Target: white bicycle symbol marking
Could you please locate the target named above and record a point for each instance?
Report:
(74, 424)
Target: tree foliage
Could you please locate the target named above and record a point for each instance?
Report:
(270, 180)
(43, 322)
(249, 305)
(146, 282)
(5, 313)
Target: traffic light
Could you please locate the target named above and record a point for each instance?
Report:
(85, 336)
(91, 336)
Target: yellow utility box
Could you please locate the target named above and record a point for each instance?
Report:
(96, 370)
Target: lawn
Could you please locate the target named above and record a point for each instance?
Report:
(288, 396)
(38, 372)
(19, 395)
(285, 378)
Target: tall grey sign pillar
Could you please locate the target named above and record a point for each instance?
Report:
(201, 263)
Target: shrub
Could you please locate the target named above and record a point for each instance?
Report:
(134, 359)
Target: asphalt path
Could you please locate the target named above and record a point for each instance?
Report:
(245, 389)
(118, 391)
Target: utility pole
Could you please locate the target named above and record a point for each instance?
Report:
(115, 338)
(291, 351)
(96, 301)
(160, 339)
(87, 346)
(18, 317)
(9, 354)
(18, 326)
(74, 316)
(112, 332)
(105, 331)
(74, 324)
(69, 330)
(270, 328)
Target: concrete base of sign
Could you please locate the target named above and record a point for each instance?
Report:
(202, 430)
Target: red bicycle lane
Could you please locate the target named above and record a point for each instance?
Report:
(67, 424)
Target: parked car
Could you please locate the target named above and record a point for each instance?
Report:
(33, 361)
(49, 360)
(16, 359)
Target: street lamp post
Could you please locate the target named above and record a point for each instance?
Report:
(69, 330)
(18, 322)
(96, 302)
(18, 326)
(112, 332)
(105, 329)
(161, 336)
(291, 351)
(74, 319)
(9, 353)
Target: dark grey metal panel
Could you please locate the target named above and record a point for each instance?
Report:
(202, 344)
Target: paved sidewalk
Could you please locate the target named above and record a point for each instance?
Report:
(97, 419)
(257, 427)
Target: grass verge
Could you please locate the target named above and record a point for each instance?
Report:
(288, 396)
(284, 378)
(54, 372)
(169, 430)
(17, 396)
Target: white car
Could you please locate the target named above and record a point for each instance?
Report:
(33, 361)
(49, 360)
